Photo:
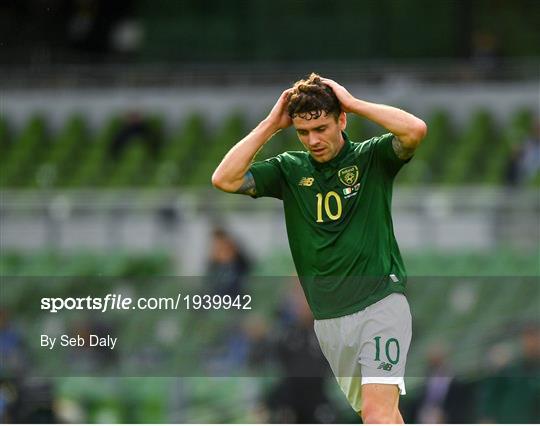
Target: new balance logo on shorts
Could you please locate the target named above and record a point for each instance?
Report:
(385, 366)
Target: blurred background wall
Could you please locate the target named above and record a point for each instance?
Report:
(113, 116)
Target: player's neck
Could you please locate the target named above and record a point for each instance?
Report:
(341, 145)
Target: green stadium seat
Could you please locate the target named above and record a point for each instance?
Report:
(356, 128)
(515, 132)
(180, 153)
(465, 166)
(28, 148)
(232, 131)
(95, 159)
(131, 169)
(60, 162)
(433, 152)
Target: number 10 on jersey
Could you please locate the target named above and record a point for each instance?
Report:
(332, 212)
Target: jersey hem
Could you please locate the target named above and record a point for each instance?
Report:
(359, 306)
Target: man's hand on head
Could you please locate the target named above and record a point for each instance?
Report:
(279, 116)
(408, 129)
(346, 100)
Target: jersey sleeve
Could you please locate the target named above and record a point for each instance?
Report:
(386, 155)
(268, 178)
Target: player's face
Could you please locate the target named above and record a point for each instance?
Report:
(321, 136)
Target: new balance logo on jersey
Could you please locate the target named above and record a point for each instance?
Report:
(386, 366)
(306, 181)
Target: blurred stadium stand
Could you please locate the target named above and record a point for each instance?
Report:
(36, 156)
(41, 33)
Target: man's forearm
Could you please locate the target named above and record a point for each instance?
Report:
(230, 173)
(409, 129)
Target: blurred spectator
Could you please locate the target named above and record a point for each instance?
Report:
(135, 128)
(22, 400)
(513, 175)
(524, 163)
(12, 352)
(228, 266)
(485, 54)
(12, 365)
(443, 398)
(300, 395)
(512, 395)
(226, 272)
(91, 24)
(257, 330)
(97, 359)
(530, 157)
(33, 401)
(247, 344)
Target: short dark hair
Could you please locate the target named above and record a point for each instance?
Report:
(311, 98)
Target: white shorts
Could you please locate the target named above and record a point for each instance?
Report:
(369, 346)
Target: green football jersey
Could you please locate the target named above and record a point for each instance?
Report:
(339, 223)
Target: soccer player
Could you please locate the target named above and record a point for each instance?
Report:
(337, 202)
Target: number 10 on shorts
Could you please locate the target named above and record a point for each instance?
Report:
(391, 349)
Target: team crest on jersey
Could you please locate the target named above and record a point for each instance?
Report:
(348, 175)
(306, 181)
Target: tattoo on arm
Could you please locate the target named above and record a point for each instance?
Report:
(248, 185)
(401, 152)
